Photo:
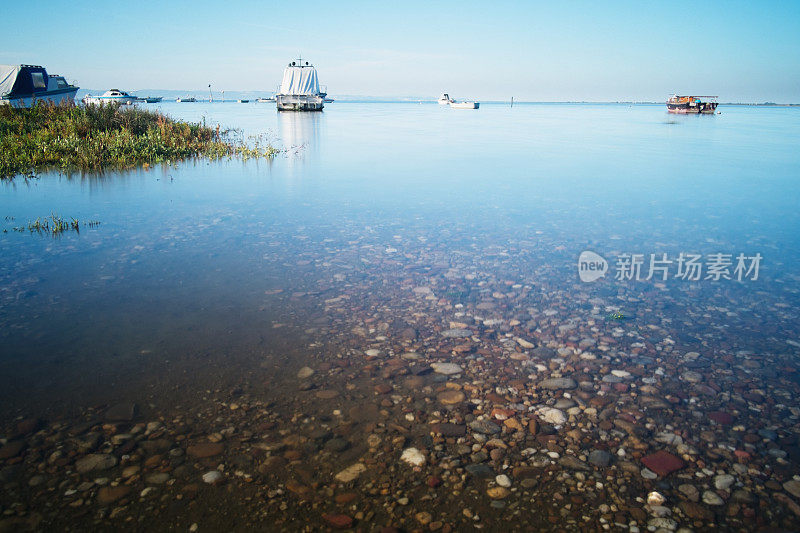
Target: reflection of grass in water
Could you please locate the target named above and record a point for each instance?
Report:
(52, 225)
(94, 138)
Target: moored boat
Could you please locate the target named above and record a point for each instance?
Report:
(25, 85)
(692, 105)
(112, 96)
(186, 99)
(299, 89)
(465, 105)
(152, 99)
(445, 99)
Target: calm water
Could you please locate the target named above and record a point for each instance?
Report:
(442, 235)
(207, 258)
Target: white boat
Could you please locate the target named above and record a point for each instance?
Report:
(265, 100)
(465, 105)
(445, 99)
(186, 99)
(25, 85)
(299, 89)
(109, 97)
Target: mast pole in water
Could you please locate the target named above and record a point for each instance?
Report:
(210, 94)
(512, 101)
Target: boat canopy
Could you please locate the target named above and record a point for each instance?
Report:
(300, 79)
(22, 80)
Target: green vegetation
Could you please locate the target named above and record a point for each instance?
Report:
(52, 225)
(95, 138)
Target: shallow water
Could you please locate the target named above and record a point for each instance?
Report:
(211, 274)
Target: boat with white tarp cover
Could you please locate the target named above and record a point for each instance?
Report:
(299, 90)
(25, 85)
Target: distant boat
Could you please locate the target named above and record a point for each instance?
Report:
(465, 105)
(186, 99)
(685, 105)
(243, 101)
(24, 85)
(112, 96)
(265, 100)
(299, 89)
(152, 99)
(445, 99)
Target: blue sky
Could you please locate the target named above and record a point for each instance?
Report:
(743, 51)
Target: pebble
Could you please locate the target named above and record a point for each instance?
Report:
(451, 397)
(712, 498)
(655, 498)
(599, 458)
(497, 493)
(558, 383)
(305, 372)
(212, 477)
(446, 368)
(552, 415)
(413, 457)
(351, 472)
(792, 487)
(456, 333)
(503, 480)
(723, 481)
(95, 461)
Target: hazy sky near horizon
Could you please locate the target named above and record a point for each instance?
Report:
(579, 50)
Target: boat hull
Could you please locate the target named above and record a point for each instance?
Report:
(465, 105)
(697, 108)
(63, 96)
(100, 100)
(288, 102)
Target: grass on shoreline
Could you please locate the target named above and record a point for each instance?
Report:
(108, 137)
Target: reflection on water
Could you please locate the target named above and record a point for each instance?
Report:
(416, 236)
(300, 132)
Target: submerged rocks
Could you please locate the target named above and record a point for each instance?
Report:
(558, 383)
(206, 449)
(484, 426)
(108, 495)
(95, 461)
(450, 397)
(456, 333)
(413, 457)
(599, 458)
(305, 373)
(446, 368)
(351, 473)
(213, 477)
(662, 462)
(552, 415)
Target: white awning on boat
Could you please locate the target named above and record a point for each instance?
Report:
(8, 77)
(300, 80)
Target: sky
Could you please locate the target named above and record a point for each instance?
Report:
(535, 51)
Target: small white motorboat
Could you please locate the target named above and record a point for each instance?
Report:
(187, 99)
(25, 85)
(445, 99)
(265, 100)
(110, 97)
(465, 105)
